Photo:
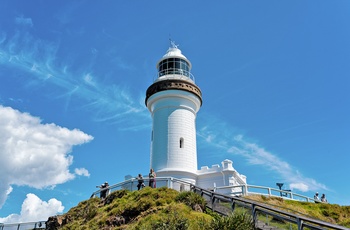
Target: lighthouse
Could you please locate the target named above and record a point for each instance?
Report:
(173, 101)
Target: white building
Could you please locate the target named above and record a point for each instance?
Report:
(174, 100)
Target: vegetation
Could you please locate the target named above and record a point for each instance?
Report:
(168, 209)
(331, 213)
(148, 209)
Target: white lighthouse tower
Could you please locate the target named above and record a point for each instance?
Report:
(174, 100)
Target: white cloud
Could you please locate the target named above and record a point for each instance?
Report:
(82, 172)
(34, 154)
(34, 209)
(299, 186)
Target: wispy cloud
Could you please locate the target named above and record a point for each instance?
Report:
(221, 136)
(109, 103)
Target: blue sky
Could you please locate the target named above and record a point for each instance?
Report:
(73, 76)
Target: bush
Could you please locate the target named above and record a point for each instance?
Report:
(242, 221)
(191, 199)
(173, 221)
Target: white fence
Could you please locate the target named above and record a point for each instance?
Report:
(245, 190)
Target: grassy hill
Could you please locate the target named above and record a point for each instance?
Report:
(331, 213)
(164, 208)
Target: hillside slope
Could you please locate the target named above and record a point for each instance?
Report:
(331, 213)
(164, 208)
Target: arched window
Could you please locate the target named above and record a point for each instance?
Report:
(181, 142)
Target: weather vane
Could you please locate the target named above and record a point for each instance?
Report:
(173, 45)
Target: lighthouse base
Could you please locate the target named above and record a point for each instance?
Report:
(182, 175)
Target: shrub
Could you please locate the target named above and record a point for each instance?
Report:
(191, 199)
(242, 221)
(173, 221)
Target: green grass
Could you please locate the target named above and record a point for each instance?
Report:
(167, 209)
(331, 213)
(153, 209)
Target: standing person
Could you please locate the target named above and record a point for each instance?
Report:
(104, 190)
(317, 200)
(152, 178)
(323, 198)
(140, 180)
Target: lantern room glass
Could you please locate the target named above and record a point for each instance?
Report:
(174, 66)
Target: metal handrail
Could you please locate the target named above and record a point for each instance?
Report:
(245, 190)
(25, 225)
(131, 184)
(255, 207)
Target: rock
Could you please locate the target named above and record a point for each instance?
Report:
(116, 221)
(197, 208)
(52, 223)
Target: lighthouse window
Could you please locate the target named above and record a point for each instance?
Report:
(173, 66)
(184, 65)
(171, 63)
(181, 143)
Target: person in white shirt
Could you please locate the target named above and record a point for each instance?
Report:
(316, 199)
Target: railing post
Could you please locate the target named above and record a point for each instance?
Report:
(233, 205)
(269, 191)
(245, 190)
(254, 215)
(300, 224)
(213, 202)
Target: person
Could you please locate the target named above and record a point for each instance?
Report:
(152, 178)
(316, 199)
(323, 198)
(104, 190)
(140, 182)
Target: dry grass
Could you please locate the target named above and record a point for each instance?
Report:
(164, 208)
(331, 213)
